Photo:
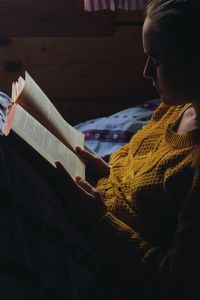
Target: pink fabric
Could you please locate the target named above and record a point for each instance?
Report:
(95, 5)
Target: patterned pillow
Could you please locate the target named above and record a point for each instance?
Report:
(105, 135)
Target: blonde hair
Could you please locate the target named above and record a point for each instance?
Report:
(180, 19)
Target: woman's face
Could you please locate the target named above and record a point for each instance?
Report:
(178, 82)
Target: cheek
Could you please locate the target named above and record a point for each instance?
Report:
(164, 78)
(170, 84)
(170, 79)
(176, 85)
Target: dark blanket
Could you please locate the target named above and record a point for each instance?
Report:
(42, 256)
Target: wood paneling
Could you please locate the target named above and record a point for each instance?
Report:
(87, 69)
(28, 18)
(127, 17)
(92, 70)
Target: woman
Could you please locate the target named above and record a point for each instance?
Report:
(144, 215)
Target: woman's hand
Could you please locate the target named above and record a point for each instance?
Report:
(96, 167)
(83, 202)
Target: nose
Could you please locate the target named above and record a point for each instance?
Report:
(149, 69)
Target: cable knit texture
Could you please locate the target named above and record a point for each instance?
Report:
(152, 198)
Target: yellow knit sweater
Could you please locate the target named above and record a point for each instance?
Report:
(152, 198)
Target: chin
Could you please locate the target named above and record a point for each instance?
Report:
(166, 100)
(172, 101)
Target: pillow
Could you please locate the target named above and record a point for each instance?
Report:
(105, 135)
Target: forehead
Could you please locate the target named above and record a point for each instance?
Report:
(154, 40)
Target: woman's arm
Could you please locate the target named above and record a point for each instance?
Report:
(144, 270)
(170, 273)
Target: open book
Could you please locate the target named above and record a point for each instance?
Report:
(34, 118)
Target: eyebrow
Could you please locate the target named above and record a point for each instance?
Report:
(153, 55)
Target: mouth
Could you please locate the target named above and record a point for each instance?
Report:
(157, 88)
(159, 91)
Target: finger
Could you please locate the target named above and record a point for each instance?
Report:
(64, 172)
(78, 189)
(61, 168)
(78, 184)
(89, 189)
(85, 155)
(83, 184)
(90, 158)
(94, 195)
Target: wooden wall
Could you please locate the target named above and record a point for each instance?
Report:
(89, 64)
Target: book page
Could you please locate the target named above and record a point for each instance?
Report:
(44, 142)
(34, 101)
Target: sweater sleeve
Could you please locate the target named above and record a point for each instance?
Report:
(162, 273)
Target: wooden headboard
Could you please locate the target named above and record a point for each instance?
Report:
(89, 64)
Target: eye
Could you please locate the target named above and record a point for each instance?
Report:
(156, 62)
